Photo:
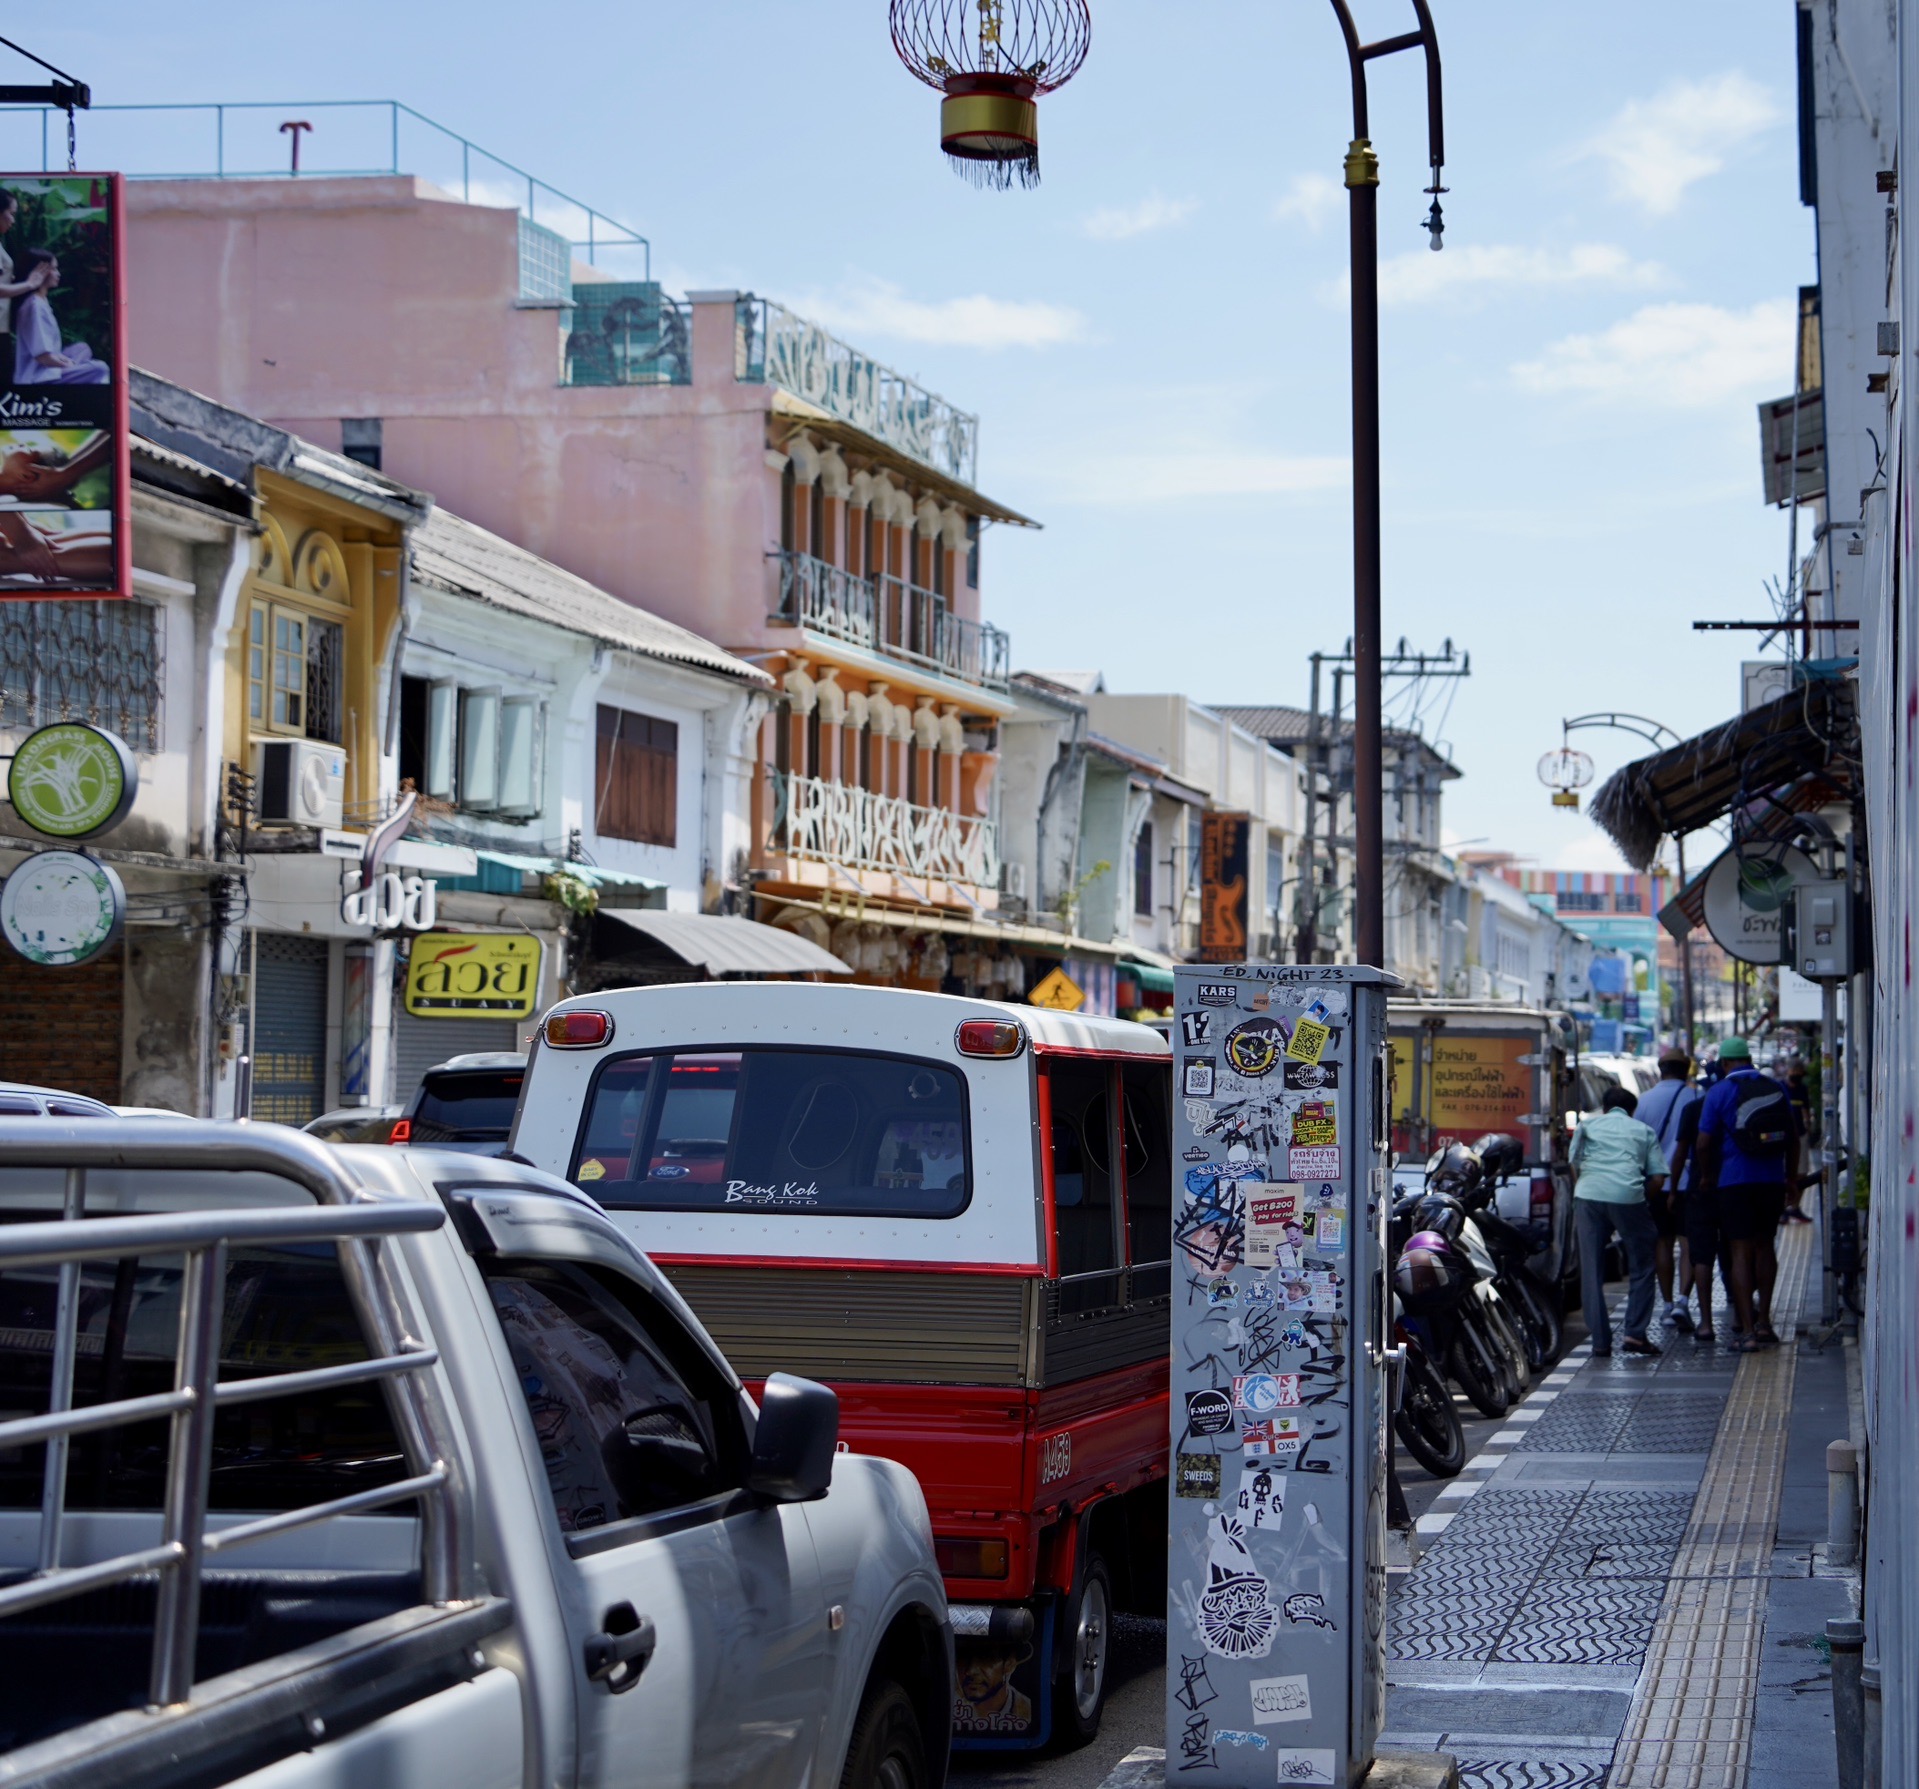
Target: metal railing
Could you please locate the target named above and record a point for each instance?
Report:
(203, 1238)
(775, 347)
(840, 824)
(237, 140)
(891, 616)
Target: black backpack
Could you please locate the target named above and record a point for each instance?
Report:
(1762, 1121)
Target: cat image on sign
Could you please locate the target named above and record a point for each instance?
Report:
(1236, 1616)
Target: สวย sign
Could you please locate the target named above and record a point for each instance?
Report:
(454, 975)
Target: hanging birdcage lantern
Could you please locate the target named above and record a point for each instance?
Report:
(992, 59)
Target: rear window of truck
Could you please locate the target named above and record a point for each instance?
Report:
(814, 1133)
(467, 1105)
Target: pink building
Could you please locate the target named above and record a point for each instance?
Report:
(719, 462)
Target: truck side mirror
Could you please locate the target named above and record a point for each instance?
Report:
(793, 1446)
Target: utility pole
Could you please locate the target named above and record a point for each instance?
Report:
(1306, 946)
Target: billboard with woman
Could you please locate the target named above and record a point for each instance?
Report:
(63, 388)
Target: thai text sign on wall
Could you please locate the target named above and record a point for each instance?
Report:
(453, 975)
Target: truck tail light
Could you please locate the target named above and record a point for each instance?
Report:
(1542, 1196)
(578, 1030)
(970, 1558)
(402, 1131)
(991, 1037)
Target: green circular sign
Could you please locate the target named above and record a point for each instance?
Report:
(73, 781)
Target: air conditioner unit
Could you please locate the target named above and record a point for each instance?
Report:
(1012, 880)
(300, 782)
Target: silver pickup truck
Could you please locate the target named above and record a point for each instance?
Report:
(356, 1466)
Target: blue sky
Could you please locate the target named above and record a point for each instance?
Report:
(1155, 340)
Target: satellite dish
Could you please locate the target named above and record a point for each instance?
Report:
(1565, 770)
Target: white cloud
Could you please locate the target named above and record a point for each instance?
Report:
(1120, 223)
(1654, 149)
(1593, 852)
(879, 308)
(1674, 356)
(1311, 199)
(1176, 475)
(1420, 276)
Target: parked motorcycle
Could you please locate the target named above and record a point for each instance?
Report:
(1472, 1174)
(1440, 1283)
(1427, 1420)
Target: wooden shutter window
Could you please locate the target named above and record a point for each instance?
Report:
(636, 767)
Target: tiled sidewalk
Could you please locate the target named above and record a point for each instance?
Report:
(1578, 1593)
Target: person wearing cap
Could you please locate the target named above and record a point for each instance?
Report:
(1665, 1110)
(1740, 1195)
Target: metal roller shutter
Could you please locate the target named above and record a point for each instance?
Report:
(418, 1044)
(289, 1028)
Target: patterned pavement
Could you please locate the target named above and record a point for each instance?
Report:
(1577, 1591)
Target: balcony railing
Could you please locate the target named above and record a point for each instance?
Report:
(628, 332)
(896, 618)
(775, 347)
(836, 823)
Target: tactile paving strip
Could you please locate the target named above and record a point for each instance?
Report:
(1623, 1422)
(1691, 1718)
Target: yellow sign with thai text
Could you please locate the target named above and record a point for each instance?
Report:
(468, 975)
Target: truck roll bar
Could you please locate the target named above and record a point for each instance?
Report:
(345, 1216)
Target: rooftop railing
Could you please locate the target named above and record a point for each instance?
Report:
(779, 348)
(245, 140)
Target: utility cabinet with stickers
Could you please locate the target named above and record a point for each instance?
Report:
(1276, 1574)
(957, 1214)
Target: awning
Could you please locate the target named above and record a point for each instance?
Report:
(1151, 978)
(1806, 732)
(724, 944)
(592, 874)
(953, 925)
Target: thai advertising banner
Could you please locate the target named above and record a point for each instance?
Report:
(1470, 1086)
(64, 522)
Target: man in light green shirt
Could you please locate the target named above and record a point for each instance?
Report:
(1615, 1159)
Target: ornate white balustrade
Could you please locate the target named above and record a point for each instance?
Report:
(834, 823)
(788, 351)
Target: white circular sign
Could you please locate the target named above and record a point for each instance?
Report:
(62, 907)
(1745, 900)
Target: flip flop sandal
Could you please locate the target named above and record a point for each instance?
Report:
(1705, 1336)
(1744, 1345)
(1765, 1337)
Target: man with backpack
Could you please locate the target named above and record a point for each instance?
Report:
(1670, 1111)
(1750, 1139)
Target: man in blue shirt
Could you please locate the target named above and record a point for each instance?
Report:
(1664, 1111)
(1750, 1141)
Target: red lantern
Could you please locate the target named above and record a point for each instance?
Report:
(992, 59)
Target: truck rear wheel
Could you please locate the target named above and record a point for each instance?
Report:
(886, 1751)
(1086, 1648)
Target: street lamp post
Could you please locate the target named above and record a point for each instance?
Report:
(1362, 187)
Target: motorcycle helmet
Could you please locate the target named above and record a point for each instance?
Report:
(1499, 1154)
(1426, 1277)
(1440, 1213)
(1454, 1169)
